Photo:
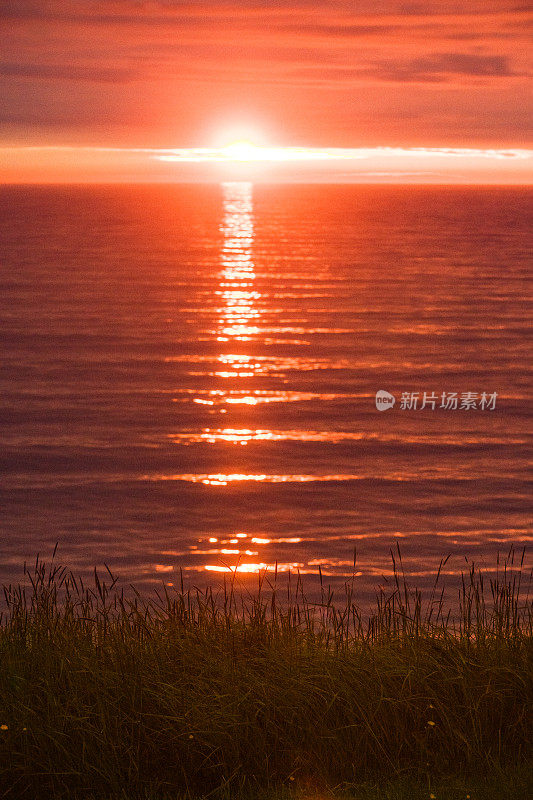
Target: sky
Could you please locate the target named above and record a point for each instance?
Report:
(122, 75)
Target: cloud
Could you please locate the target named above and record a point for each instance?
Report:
(69, 72)
(439, 66)
(463, 64)
(21, 9)
(154, 11)
(347, 30)
(445, 8)
(434, 68)
(139, 11)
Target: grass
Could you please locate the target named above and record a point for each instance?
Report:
(192, 695)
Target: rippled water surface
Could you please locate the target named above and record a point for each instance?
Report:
(189, 379)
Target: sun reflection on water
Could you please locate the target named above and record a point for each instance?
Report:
(237, 327)
(238, 324)
(239, 311)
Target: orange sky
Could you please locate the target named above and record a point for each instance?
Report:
(165, 74)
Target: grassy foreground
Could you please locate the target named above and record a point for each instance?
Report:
(193, 695)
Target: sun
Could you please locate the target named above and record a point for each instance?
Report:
(242, 151)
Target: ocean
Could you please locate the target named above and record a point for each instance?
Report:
(189, 381)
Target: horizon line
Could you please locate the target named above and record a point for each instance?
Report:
(97, 164)
(239, 151)
(464, 184)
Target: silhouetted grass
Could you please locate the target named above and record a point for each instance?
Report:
(191, 694)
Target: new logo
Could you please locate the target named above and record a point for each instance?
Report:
(384, 400)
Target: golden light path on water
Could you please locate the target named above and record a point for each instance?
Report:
(238, 313)
(238, 323)
(238, 318)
